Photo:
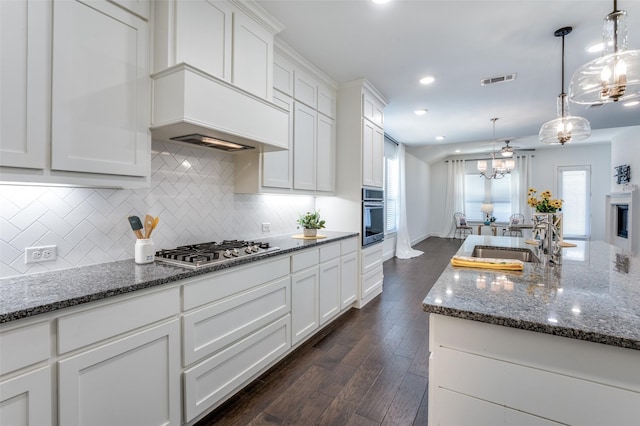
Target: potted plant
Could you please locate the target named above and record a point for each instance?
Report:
(310, 223)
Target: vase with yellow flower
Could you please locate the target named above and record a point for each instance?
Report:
(547, 220)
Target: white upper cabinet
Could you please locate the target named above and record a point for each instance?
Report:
(325, 153)
(304, 146)
(208, 48)
(277, 166)
(252, 56)
(373, 109)
(282, 74)
(100, 97)
(230, 40)
(305, 89)
(74, 81)
(24, 87)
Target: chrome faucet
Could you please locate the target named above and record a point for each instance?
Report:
(549, 241)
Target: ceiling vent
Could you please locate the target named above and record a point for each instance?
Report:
(500, 79)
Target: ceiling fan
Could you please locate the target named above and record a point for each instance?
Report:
(508, 150)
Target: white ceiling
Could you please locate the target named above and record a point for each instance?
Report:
(459, 42)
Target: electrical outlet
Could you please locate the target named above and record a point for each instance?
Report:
(266, 227)
(40, 254)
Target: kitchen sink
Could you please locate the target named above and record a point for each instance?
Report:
(522, 254)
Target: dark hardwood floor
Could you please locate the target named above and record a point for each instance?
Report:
(370, 367)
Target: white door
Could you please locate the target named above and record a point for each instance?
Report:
(574, 184)
(348, 279)
(26, 400)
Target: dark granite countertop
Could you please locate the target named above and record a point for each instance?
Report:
(594, 295)
(29, 295)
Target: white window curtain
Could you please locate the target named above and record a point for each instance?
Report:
(392, 185)
(520, 184)
(455, 195)
(403, 240)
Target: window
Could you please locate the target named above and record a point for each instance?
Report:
(478, 190)
(391, 185)
(575, 191)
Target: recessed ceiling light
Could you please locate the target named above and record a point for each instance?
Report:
(427, 80)
(440, 138)
(457, 151)
(380, 1)
(422, 111)
(632, 103)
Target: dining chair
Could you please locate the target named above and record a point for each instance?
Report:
(462, 227)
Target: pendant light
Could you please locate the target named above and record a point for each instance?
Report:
(616, 74)
(499, 167)
(566, 128)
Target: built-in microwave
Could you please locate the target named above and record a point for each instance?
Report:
(372, 216)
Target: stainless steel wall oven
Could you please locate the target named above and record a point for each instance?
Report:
(372, 216)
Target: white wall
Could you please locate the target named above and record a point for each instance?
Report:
(598, 156)
(191, 191)
(625, 149)
(438, 221)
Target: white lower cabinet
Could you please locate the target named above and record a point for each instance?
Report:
(207, 383)
(372, 277)
(304, 304)
(329, 285)
(348, 279)
(25, 393)
(25, 400)
(130, 381)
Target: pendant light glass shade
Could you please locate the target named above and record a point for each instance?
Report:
(613, 76)
(565, 128)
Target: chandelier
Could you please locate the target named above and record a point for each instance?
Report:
(499, 167)
(565, 128)
(613, 76)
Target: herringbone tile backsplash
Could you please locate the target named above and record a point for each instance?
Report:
(191, 191)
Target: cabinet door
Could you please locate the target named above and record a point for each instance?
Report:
(305, 89)
(304, 142)
(131, 381)
(372, 109)
(329, 290)
(304, 304)
(325, 154)
(24, 65)
(26, 400)
(100, 102)
(203, 37)
(348, 279)
(326, 101)
(282, 75)
(277, 166)
(377, 165)
(252, 56)
(372, 154)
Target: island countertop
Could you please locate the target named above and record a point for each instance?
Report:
(29, 295)
(593, 295)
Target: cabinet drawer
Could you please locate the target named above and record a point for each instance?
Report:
(372, 281)
(348, 246)
(93, 325)
(306, 259)
(209, 382)
(214, 327)
(218, 285)
(371, 258)
(329, 252)
(24, 346)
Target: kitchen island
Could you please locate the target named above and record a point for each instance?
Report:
(548, 345)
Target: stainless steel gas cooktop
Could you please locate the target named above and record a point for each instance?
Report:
(205, 254)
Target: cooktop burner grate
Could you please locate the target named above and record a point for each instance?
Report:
(205, 254)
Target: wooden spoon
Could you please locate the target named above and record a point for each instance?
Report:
(148, 225)
(153, 225)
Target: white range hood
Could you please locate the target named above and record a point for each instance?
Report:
(187, 101)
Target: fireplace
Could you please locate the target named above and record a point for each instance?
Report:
(622, 222)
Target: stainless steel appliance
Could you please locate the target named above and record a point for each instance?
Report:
(372, 216)
(205, 254)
